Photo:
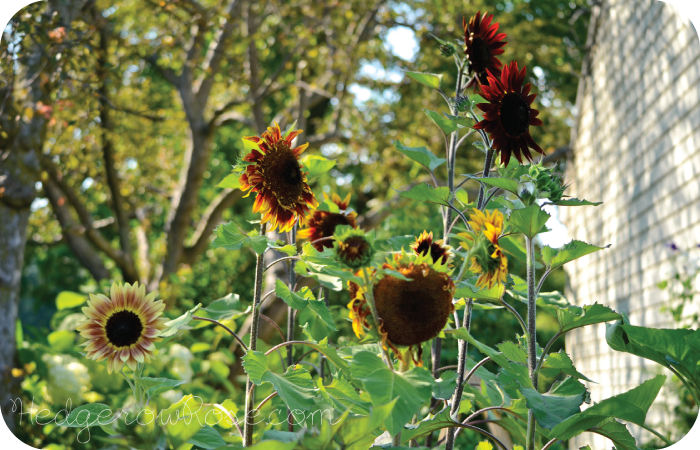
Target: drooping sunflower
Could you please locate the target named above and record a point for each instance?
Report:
(482, 45)
(410, 312)
(123, 327)
(283, 195)
(359, 310)
(486, 256)
(509, 114)
(322, 224)
(438, 251)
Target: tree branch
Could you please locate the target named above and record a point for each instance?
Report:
(215, 55)
(74, 235)
(118, 203)
(210, 219)
(85, 217)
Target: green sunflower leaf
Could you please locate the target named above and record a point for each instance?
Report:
(446, 125)
(528, 221)
(230, 182)
(229, 237)
(410, 389)
(573, 317)
(226, 308)
(421, 155)
(172, 327)
(155, 386)
(290, 297)
(207, 438)
(554, 257)
(631, 406)
(551, 409)
(507, 184)
(576, 202)
(432, 80)
(424, 193)
(90, 415)
(68, 299)
(616, 432)
(431, 423)
(295, 387)
(316, 165)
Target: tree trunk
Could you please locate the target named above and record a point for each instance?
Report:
(19, 170)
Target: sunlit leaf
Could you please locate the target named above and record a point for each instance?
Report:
(316, 165)
(528, 221)
(172, 327)
(424, 193)
(421, 155)
(554, 258)
(68, 299)
(432, 80)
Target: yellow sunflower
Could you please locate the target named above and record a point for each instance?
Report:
(438, 251)
(283, 195)
(123, 327)
(486, 256)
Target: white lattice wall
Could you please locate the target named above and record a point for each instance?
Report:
(637, 149)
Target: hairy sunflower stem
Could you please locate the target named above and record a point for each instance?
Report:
(531, 334)
(291, 313)
(250, 387)
(481, 204)
(461, 368)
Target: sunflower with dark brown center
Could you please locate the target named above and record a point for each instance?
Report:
(122, 328)
(283, 195)
(322, 224)
(410, 312)
(509, 114)
(424, 245)
(482, 45)
(486, 256)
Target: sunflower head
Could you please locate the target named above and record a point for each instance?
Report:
(482, 45)
(353, 247)
(412, 312)
(485, 254)
(439, 253)
(122, 327)
(509, 114)
(322, 224)
(275, 174)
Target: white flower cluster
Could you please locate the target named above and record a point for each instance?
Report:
(180, 359)
(68, 379)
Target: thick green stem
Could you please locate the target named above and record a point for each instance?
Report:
(480, 203)
(461, 368)
(250, 387)
(291, 315)
(531, 334)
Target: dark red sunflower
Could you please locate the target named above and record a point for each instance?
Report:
(482, 45)
(322, 224)
(509, 114)
(283, 195)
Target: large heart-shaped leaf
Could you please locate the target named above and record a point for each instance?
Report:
(554, 258)
(432, 80)
(528, 221)
(421, 155)
(411, 389)
(424, 193)
(631, 406)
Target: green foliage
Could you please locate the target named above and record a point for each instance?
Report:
(529, 221)
(410, 389)
(422, 155)
(431, 80)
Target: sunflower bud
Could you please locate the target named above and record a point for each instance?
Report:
(353, 247)
(462, 103)
(447, 49)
